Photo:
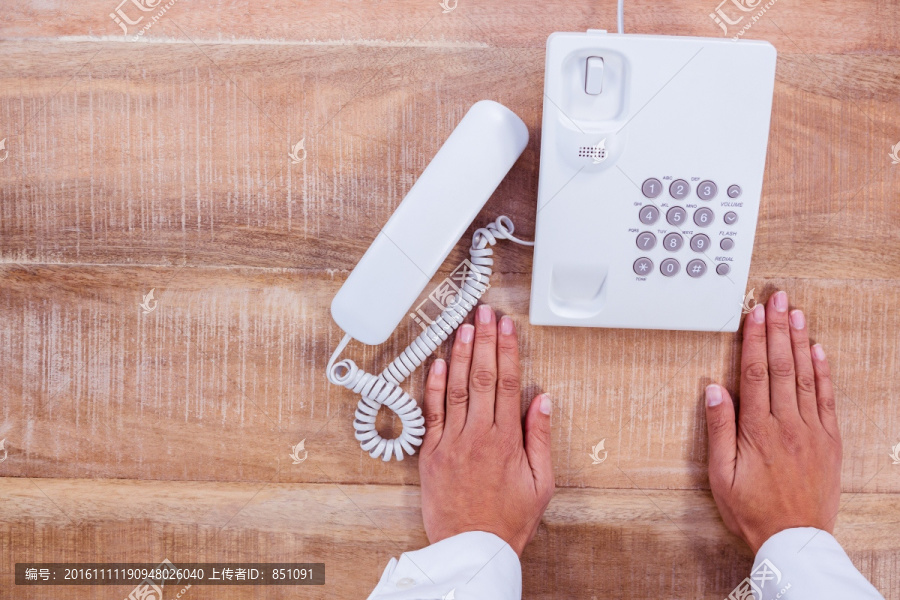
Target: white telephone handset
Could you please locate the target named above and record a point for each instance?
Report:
(406, 254)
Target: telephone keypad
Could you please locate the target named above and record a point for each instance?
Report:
(680, 217)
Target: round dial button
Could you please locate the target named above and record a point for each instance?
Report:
(730, 217)
(652, 188)
(700, 243)
(648, 215)
(726, 244)
(669, 267)
(676, 215)
(679, 189)
(646, 240)
(734, 191)
(707, 190)
(696, 268)
(643, 266)
(723, 269)
(673, 242)
(704, 217)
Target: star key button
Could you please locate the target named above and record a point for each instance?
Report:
(643, 266)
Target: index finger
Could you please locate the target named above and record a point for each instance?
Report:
(508, 411)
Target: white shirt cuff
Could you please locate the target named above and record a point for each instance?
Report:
(470, 566)
(804, 563)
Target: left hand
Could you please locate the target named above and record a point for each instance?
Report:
(479, 470)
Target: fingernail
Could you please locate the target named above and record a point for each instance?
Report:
(798, 321)
(545, 404)
(818, 352)
(781, 301)
(713, 395)
(484, 314)
(439, 366)
(506, 325)
(466, 332)
(758, 313)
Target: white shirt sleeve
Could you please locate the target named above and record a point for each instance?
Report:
(470, 566)
(804, 563)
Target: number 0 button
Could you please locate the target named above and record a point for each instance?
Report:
(679, 189)
(649, 215)
(669, 267)
(652, 188)
(704, 217)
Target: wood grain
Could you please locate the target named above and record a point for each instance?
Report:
(588, 544)
(166, 153)
(227, 373)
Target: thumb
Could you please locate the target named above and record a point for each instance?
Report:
(537, 443)
(722, 436)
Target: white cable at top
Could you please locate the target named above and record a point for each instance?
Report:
(384, 390)
(620, 16)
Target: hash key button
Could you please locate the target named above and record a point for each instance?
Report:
(696, 268)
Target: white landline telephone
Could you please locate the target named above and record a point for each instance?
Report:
(652, 157)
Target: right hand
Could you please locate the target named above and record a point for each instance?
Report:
(779, 465)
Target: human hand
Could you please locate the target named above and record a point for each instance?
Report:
(780, 466)
(477, 471)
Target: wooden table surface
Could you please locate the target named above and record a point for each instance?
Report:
(162, 164)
